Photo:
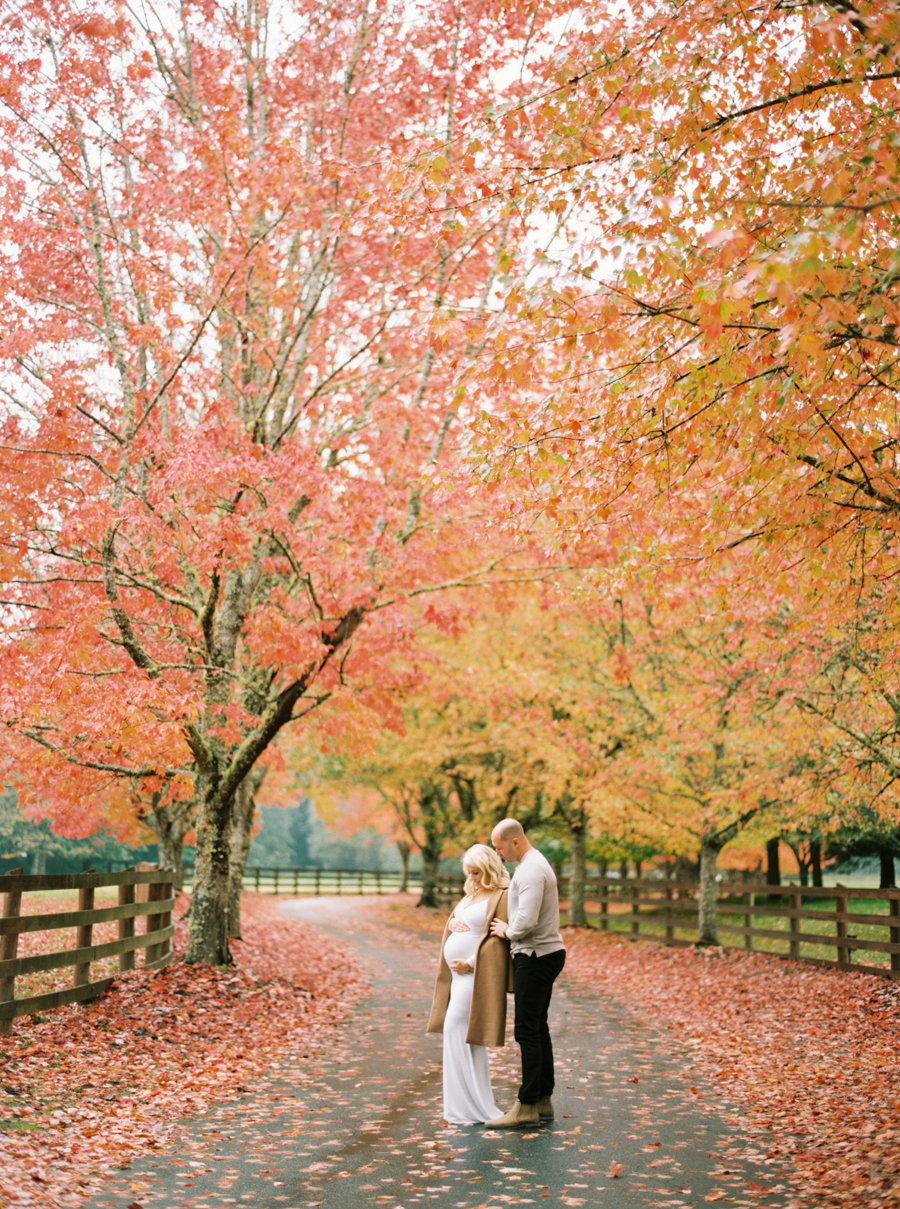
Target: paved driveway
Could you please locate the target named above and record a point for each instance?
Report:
(360, 1124)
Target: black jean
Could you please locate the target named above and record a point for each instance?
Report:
(533, 979)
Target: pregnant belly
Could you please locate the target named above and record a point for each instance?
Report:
(461, 945)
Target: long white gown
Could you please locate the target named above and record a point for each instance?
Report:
(468, 1098)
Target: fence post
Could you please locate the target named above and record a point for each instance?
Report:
(840, 903)
(635, 909)
(604, 907)
(296, 880)
(275, 885)
(377, 881)
(83, 935)
(339, 880)
(670, 915)
(256, 882)
(165, 919)
(748, 921)
(359, 881)
(796, 904)
(154, 894)
(9, 948)
(318, 881)
(894, 910)
(126, 927)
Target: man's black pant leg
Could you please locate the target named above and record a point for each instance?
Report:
(533, 979)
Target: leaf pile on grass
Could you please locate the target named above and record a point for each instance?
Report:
(87, 1088)
(31, 944)
(808, 1056)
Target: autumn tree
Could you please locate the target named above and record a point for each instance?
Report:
(558, 712)
(512, 714)
(721, 745)
(844, 678)
(416, 777)
(713, 322)
(222, 399)
(702, 352)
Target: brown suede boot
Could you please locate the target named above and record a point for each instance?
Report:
(520, 1116)
(545, 1108)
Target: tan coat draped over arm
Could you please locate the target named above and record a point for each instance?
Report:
(493, 980)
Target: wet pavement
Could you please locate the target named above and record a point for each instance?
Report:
(360, 1123)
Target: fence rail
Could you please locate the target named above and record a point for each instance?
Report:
(660, 909)
(782, 920)
(310, 880)
(155, 940)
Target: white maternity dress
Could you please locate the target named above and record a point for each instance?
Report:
(468, 1099)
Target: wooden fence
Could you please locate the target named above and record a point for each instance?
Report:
(301, 881)
(345, 881)
(789, 921)
(156, 940)
(659, 909)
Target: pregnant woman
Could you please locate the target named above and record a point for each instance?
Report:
(474, 976)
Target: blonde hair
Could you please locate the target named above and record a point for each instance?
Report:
(486, 861)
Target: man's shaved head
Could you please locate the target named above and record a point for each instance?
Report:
(509, 829)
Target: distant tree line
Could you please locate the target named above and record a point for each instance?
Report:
(36, 849)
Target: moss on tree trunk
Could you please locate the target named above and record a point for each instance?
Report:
(208, 940)
(241, 840)
(170, 845)
(431, 859)
(708, 905)
(403, 849)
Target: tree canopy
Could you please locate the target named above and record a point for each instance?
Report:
(322, 322)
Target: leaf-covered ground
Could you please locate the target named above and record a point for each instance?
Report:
(88, 1087)
(361, 1121)
(809, 1057)
(806, 1058)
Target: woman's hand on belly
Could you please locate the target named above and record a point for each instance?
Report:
(458, 966)
(459, 925)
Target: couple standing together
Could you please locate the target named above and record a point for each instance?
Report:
(503, 936)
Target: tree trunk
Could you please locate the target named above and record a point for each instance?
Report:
(431, 859)
(886, 861)
(773, 868)
(603, 866)
(638, 868)
(708, 905)
(815, 859)
(802, 862)
(208, 937)
(39, 863)
(685, 870)
(403, 849)
(170, 844)
(576, 917)
(623, 869)
(241, 839)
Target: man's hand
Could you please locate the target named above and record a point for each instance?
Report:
(498, 927)
(459, 925)
(458, 966)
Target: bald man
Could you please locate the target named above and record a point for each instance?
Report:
(538, 955)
